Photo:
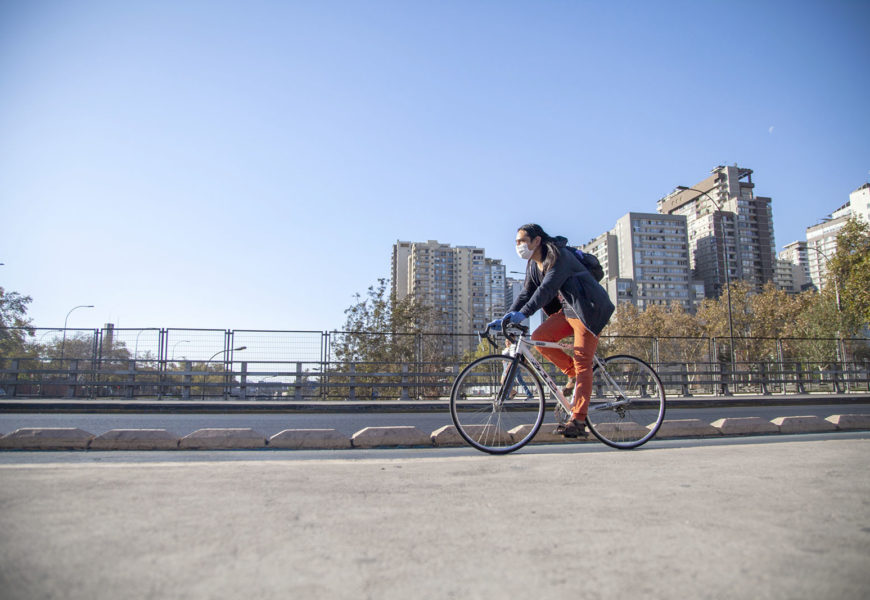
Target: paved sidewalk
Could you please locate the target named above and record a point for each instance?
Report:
(750, 520)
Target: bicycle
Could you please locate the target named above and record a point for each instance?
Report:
(493, 413)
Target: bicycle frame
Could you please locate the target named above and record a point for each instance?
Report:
(524, 347)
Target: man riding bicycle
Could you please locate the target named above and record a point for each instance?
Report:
(554, 272)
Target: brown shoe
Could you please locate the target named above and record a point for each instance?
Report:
(575, 429)
(568, 390)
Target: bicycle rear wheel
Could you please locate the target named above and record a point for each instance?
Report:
(628, 402)
(492, 414)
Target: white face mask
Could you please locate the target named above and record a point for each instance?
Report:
(523, 251)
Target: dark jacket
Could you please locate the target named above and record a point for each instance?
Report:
(581, 296)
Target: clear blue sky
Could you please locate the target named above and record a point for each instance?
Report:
(250, 164)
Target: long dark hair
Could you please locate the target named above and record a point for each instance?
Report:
(549, 247)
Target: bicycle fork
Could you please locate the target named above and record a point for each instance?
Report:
(508, 383)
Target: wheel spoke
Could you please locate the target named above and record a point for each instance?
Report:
(628, 402)
(489, 412)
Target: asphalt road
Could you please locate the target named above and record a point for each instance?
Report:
(776, 517)
(348, 424)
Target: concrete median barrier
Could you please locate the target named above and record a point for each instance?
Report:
(745, 426)
(136, 439)
(47, 438)
(686, 428)
(616, 430)
(447, 436)
(310, 439)
(223, 439)
(850, 422)
(390, 437)
(806, 424)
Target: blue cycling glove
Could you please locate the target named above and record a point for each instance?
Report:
(515, 317)
(495, 325)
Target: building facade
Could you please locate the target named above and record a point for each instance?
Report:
(822, 237)
(735, 227)
(792, 268)
(646, 260)
(465, 286)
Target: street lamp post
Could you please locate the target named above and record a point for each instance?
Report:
(176, 344)
(63, 343)
(683, 188)
(204, 377)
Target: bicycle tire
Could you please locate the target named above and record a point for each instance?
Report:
(627, 412)
(490, 419)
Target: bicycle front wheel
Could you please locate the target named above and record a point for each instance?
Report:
(628, 402)
(493, 414)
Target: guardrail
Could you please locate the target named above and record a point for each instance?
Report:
(287, 365)
(28, 378)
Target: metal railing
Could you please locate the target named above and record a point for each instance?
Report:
(305, 365)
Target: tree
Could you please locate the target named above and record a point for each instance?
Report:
(849, 274)
(677, 331)
(381, 334)
(381, 328)
(14, 324)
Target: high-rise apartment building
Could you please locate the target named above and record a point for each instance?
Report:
(859, 203)
(646, 260)
(513, 288)
(461, 282)
(792, 268)
(822, 238)
(739, 231)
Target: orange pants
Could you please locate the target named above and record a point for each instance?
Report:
(557, 327)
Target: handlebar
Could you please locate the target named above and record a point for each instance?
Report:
(510, 330)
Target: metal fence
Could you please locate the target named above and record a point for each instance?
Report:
(304, 365)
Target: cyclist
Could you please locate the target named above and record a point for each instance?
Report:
(554, 272)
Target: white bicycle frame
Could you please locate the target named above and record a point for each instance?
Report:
(525, 346)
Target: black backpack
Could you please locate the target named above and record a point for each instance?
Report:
(590, 261)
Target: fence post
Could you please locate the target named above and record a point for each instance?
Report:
(843, 363)
(726, 378)
(418, 367)
(243, 381)
(765, 389)
(162, 347)
(799, 378)
(299, 383)
(781, 363)
(14, 387)
(714, 363)
(684, 380)
(324, 367)
(186, 379)
(352, 382)
(72, 378)
(404, 393)
(128, 389)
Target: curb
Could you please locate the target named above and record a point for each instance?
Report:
(223, 439)
(390, 437)
(135, 439)
(62, 438)
(686, 428)
(310, 439)
(46, 438)
(850, 422)
(809, 424)
(744, 426)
